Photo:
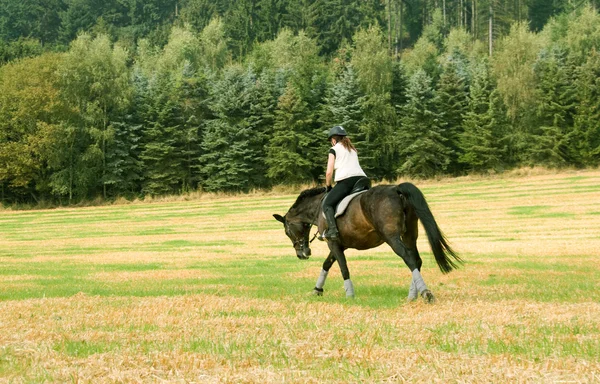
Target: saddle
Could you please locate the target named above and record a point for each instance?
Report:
(361, 186)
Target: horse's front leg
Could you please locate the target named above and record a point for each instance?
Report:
(338, 252)
(318, 290)
(412, 291)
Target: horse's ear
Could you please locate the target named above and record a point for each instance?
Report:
(279, 218)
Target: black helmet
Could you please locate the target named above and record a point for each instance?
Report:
(338, 130)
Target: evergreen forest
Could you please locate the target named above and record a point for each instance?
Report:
(127, 98)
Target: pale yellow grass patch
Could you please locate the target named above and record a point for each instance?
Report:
(307, 341)
(152, 275)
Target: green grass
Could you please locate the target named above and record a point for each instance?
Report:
(558, 341)
(83, 348)
(535, 278)
(118, 256)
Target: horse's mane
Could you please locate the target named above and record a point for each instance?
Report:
(308, 193)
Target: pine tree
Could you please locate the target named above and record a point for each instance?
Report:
(286, 153)
(228, 156)
(399, 86)
(423, 146)
(481, 140)
(556, 102)
(343, 104)
(123, 166)
(374, 68)
(452, 104)
(263, 96)
(161, 153)
(193, 96)
(586, 133)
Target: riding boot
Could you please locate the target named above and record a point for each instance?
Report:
(331, 233)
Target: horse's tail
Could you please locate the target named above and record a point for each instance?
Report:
(439, 245)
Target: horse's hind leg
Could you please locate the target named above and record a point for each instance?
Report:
(318, 290)
(413, 261)
(413, 292)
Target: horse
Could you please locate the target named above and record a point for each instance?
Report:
(383, 214)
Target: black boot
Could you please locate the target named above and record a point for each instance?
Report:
(331, 233)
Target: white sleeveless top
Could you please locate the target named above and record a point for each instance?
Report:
(346, 163)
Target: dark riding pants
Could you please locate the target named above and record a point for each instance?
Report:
(342, 189)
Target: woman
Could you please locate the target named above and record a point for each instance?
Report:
(343, 159)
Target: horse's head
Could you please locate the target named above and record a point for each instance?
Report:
(298, 232)
(300, 218)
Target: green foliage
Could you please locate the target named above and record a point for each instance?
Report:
(583, 33)
(398, 86)
(512, 66)
(452, 102)
(379, 153)
(95, 80)
(424, 56)
(482, 140)
(23, 47)
(36, 19)
(262, 96)
(372, 62)
(331, 22)
(343, 104)
(375, 71)
(586, 130)
(163, 97)
(231, 146)
(288, 149)
(30, 109)
(199, 13)
(423, 146)
(556, 106)
(213, 45)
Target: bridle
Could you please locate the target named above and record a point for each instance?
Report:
(300, 241)
(307, 226)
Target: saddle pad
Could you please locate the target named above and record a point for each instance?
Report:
(342, 205)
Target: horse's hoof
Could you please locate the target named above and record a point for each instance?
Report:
(428, 296)
(317, 292)
(351, 297)
(411, 298)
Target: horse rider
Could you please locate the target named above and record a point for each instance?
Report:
(343, 159)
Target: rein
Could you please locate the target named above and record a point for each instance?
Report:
(314, 237)
(316, 218)
(301, 241)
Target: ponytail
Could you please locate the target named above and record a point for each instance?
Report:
(345, 141)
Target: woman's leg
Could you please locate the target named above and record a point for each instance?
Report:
(341, 190)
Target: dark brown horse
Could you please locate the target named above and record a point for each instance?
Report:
(384, 214)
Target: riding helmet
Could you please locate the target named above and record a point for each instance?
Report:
(338, 130)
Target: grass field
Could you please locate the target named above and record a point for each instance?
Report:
(210, 291)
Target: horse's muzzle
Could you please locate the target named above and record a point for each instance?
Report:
(304, 253)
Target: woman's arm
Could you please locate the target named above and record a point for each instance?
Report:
(329, 172)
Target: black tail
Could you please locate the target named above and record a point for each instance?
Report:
(439, 245)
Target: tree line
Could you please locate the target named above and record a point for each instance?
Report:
(112, 118)
(31, 26)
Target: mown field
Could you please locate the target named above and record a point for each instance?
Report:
(210, 291)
